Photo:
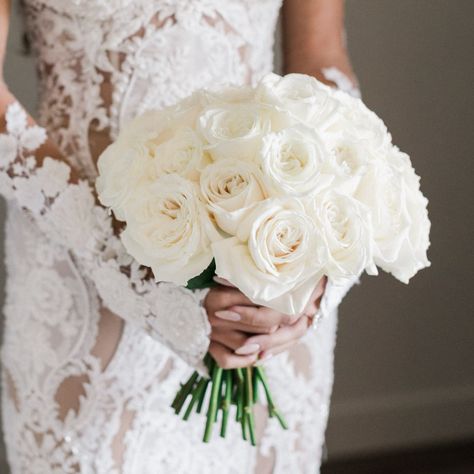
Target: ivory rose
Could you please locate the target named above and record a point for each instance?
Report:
(169, 230)
(122, 170)
(302, 96)
(183, 154)
(277, 256)
(347, 231)
(398, 210)
(231, 187)
(234, 130)
(295, 162)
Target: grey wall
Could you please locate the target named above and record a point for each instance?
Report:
(404, 359)
(405, 355)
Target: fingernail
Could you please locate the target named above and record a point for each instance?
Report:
(228, 315)
(247, 349)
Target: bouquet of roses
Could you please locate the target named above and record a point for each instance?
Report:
(270, 187)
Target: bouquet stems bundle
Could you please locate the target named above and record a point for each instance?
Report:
(227, 387)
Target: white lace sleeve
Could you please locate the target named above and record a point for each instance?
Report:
(332, 298)
(69, 215)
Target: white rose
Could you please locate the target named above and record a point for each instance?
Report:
(147, 126)
(230, 188)
(154, 143)
(229, 93)
(351, 154)
(346, 227)
(122, 169)
(158, 125)
(295, 162)
(355, 118)
(350, 158)
(277, 257)
(234, 130)
(307, 99)
(169, 230)
(182, 154)
(399, 214)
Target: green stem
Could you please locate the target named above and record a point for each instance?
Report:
(226, 402)
(202, 396)
(211, 413)
(184, 392)
(240, 375)
(240, 394)
(248, 405)
(196, 394)
(272, 410)
(255, 386)
(219, 395)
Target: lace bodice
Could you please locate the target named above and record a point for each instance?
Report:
(86, 388)
(101, 62)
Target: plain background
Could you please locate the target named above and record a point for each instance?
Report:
(405, 354)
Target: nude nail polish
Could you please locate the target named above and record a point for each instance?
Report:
(228, 315)
(248, 349)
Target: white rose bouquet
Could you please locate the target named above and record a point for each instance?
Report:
(271, 188)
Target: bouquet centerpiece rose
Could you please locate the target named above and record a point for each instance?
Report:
(270, 187)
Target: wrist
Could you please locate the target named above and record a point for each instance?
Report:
(316, 65)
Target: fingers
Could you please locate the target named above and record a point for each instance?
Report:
(228, 338)
(232, 349)
(217, 322)
(221, 297)
(227, 359)
(263, 356)
(283, 336)
(262, 316)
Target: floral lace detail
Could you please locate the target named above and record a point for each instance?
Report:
(100, 63)
(97, 73)
(68, 215)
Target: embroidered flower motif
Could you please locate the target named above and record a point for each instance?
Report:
(53, 177)
(50, 299)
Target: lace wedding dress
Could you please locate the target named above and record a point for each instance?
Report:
(93, 352)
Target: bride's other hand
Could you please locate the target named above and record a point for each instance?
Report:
(243, 333)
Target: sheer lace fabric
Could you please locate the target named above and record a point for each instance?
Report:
(93, 354)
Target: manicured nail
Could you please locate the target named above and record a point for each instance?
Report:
(228, 315)
(247, 349)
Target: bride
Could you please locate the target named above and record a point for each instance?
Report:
(93, 350)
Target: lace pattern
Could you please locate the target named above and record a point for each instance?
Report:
(85, 390)
(96, 74)
(68, 215)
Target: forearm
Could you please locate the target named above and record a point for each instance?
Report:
(314, 39)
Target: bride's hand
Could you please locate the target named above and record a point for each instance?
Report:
(243, 333)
